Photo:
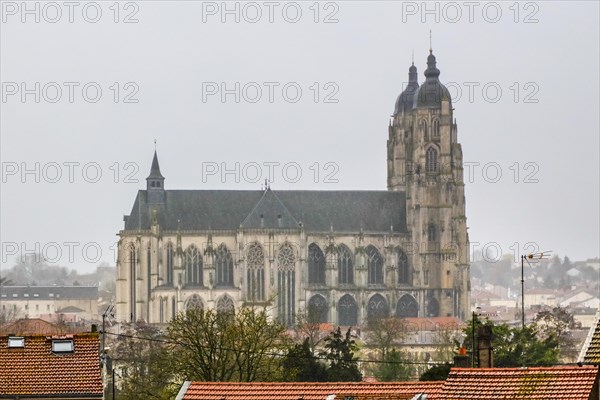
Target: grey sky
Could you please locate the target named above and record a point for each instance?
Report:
(546, 118)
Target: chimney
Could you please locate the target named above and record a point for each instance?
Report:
(485, 351)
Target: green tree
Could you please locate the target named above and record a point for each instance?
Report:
(438, 372)
(339, 351)
(558, 323)
(138, 357)
(394, 367)
(241, 345)
(301, 365)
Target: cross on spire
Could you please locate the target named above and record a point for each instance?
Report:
(430, 46)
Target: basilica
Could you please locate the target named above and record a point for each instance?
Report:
(344, 257)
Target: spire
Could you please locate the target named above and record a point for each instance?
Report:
(155, 169)
(431, 71)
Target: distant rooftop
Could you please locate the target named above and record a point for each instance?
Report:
(48, 292)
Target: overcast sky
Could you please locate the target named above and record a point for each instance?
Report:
(524, 77)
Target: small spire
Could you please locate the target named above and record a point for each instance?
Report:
(430, 46)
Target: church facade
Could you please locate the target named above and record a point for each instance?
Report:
(340, 256)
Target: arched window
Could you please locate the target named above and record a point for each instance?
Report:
(148, 269)
(170, 263)
(423, 128)
(132, 258)
(194, 301)
(431, 160)
(345, 264)
(192, 260)
(407, 307)
(224, 266)
(436, 128)
(431, 233)
(225, 305)
(193, 266)
(255, 260)
(377, 308)
(316, 265)
(286, 284)
(173, 307)
(317, 309)
(161, 310)
(374, 266)
(347, 311)
(433, 307)
(404, 272)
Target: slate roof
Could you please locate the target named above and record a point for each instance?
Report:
(48, 293)
(555, 383)
(317, 211)
(35, 370)
(304, 390)
(590, 352)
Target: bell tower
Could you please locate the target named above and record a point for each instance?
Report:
(425, 162)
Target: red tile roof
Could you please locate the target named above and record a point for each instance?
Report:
(551, 383)
(305, 390)
(35, 370)
(31, 326)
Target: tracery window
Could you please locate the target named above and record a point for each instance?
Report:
(194, 302)
(347, 311)
(192, 261)
(286, 284)
(423, 128)
(255, 260)
(431, 160)
(433, 307)
(431, 233)
(374, 266)
(317, 309)
(377, 308)
(225, 305)
(345, 264)
(407, 307)
(316, 265)
(224, 266)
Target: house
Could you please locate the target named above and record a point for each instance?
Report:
(305, 390)
(63, 367)
(532, 383)
(590, 352)
(580, 298)
(49, 302)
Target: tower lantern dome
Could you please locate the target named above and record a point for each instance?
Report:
(431, 93)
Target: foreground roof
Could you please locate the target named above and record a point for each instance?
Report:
(590, 352)
(35, 370)
(304, 390)
(314, 211)
(549, 383)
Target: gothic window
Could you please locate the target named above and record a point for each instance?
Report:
(404, 273)
(426, 277)
(225, 305)
(347, 311)
(316, 265)
(407, 307)
(377, 308)
(193, 266)
(169, 263)
(194, 302)
(436, 128)
(132, 255)
(433, 307)
(224, 266)
(317, 309)
(423, 128)
(431, 233)
(286, 284)
(173, 307)
(374, 266)
(431, 160)
(345, 264)
(255, 260)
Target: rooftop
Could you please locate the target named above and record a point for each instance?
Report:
(590, 353)
(33, 368)
(48, 293)
(304, 390)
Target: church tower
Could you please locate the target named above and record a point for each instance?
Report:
(425, 162)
